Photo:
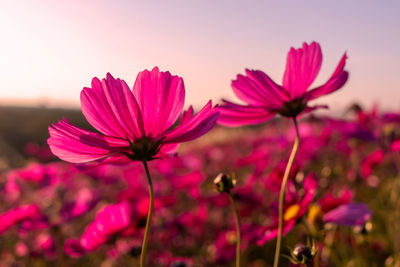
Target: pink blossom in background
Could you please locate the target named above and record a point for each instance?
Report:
(111, 220)
(21, 249)
(371, 161)
(265, 98)
(330, 201)
(133, 124)
(349, 214)
(44, 244)
(20, 214)
(85, 199)
(295, 207)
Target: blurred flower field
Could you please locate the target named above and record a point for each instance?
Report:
(299, 189)
(47, 204)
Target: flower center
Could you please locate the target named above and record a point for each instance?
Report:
(314, 213)
(292, 108)
(144, 149)
(291, 212)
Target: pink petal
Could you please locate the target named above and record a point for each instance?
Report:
(167, 149)
(187, 114)
(258, 89)
(109, 221)
(308, 109)
(194, 127)
(111, 108)
(349, 214)
(302, 67)
(232, 115)
(395, 146)
(76, 145)
(161, 97)
(335, 82)
(310, 188)
(116, 159)
(271, 232)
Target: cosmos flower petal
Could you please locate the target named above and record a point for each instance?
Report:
(76, 145)
(193, 127)
(335, 82)
(395, 146)
(187, 114)
(111, 108)
(349, 214)
(258, 89)
(271, 232)
(111, 220)
(167, 149)
(315, 107)
(310, 189)
(233, 115)
(161, 97)
(17, 215)
(302, 67)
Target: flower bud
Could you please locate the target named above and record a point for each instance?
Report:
(303, 253)
(224, 182)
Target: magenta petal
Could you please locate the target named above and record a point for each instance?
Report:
(187, 114)
(271, 232)
(111, 108)
(312, 108)
(302, 68)
(258, 89)
(349, 214)
(310, 188)
(76, 145)
(232, 115)
(168, 149)
(193, 127)
(109, 221)
(395, 146)
(335, 82)
(161, 97)
(18, 215)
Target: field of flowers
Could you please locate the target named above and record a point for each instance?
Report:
(328, 188)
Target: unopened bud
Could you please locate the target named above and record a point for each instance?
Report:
(303, 253)
(224, 182)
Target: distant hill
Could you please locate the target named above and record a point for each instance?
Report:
(21, 125)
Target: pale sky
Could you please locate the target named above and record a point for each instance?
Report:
(50, 50)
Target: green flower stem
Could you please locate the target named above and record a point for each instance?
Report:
(238, 238)
(149, 216)
(282, 192)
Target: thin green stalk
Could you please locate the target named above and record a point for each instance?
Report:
(149, 216)
(238, 238)
(282, 193)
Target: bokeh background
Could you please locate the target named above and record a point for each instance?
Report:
(50, 50)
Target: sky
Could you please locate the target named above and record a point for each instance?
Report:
(50, 50)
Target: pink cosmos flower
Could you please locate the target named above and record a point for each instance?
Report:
(20, 214)
(111, 220)
(85, 199)
(295, 208)
(330, 201)
(265, 98)
(136, 125)
(44, 244)
(370, 162)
